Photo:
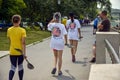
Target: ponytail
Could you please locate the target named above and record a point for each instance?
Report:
(72, 19)
(71, 16)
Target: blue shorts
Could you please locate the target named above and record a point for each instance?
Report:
(95, 27)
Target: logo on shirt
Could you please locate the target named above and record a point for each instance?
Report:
(56, 32)
(72, 26)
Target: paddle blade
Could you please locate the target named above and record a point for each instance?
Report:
(29, 65)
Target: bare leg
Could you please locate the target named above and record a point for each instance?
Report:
(94, 51)
(55, 61)
(75, 44)
(74, 49)
(55, 57)
(94, 31)
(71, 43)
(94, 54)
(60, 60)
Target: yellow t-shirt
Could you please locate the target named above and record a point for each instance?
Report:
(15, 34)
(64, 21)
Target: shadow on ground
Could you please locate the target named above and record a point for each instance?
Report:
(63, 77)
(84, 62)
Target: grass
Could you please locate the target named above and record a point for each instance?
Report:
(32, 36)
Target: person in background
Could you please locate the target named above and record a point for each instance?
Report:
(16, 36)
(96, 21)
(59, 33)
(104, 26)
(64, 20)
(74, 34)
(95, 27)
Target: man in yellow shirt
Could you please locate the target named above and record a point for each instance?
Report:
(64, 20)
(16, 35)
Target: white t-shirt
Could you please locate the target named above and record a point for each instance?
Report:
(73, 29)
(58, 31)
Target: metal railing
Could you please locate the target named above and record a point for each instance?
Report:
(113, 55)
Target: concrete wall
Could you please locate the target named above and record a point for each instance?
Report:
(113, 38)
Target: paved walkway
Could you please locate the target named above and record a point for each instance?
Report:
(3, 53)
(40, 55)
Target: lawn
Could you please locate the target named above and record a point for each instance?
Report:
(32, 36)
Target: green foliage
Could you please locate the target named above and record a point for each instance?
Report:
(40, 10)
(4, 42)
(105, 5)
(0, 3)
(11, 7)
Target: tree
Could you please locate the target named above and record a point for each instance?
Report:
(11, 7)
(40, 10)
(105, 5)
(0, 3)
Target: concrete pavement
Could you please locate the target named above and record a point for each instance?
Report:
(105, 72)
(3, 53)
(41, 56)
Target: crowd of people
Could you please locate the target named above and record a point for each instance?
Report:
(68, 30)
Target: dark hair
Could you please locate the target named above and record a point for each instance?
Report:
(72, 16)
(16, 18)
(57, 17)
(104, 12)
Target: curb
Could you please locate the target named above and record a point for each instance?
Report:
(4, 54)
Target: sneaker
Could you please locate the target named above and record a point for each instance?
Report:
(93, 60)
(73, 58)
(60, 73)
(53, 71)
(94, 33)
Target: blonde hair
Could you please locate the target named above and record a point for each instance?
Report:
(57, 16)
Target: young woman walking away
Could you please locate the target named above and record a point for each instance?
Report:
(16, 36)
(74, 34)
(59, 33)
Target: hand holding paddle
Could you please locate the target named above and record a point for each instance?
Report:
(29, 65)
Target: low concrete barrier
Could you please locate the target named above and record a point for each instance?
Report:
(113, 38)
(113, 55)
(105, 72)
